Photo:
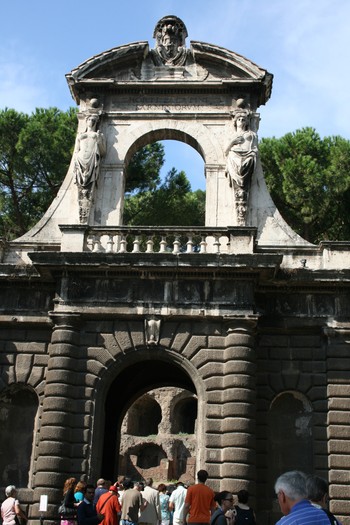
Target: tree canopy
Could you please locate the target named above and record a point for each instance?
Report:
(308, 177)
(35, 152)
(171, 203)
(309, 181)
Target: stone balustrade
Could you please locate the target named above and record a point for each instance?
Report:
(157, 239)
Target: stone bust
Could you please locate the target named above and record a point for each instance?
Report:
(170, 34)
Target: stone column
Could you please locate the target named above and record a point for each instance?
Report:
(238, 440)
(61, 413)
(338, 393)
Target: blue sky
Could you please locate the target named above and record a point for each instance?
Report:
(305, 44)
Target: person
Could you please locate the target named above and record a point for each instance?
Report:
(317, 492)
(68, 512)
(90, 147)
(241, 159)
(151, 513)
(108, 505)
(86, 512)
(79, 491)
(101, 488)
(10, 508)
(120, 487)
(132, 503)
(244, 515)
(224, 500)
(164, 504)
(291, 493)
(140, 486)
(177, 503)
(199, 501)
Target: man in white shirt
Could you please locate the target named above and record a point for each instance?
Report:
(177, 503)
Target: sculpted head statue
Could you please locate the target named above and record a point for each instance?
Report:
(242, 118)
(91, 121)
(170, 34)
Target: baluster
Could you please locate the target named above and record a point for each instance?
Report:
(162, 245)
(189, 244)
(136, 244)
(203, 245)
(90, 243)
(97, 243)
(122, 244)
(217, 244)
(176, 244)
(110, 243)
(149, 244)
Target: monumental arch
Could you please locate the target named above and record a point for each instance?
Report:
(243, 314)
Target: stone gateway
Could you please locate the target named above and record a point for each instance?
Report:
(244, 321)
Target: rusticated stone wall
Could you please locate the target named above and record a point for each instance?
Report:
(73, 374)
(264, 383)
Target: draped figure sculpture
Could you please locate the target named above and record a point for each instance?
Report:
(90, 147)
(241, 161)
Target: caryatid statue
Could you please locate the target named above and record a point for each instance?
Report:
(241, 160)
(170, 34)
(90, 147)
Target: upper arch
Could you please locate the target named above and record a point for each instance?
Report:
(197, 136)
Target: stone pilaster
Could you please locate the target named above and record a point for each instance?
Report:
(60, 429)
(219, 197)
(338, 393)
(238, 440)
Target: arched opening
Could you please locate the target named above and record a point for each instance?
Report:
(18, 408)
(144, 417)
(150, 456)
(165, 181)
(152, 370)
(290, 436)
(185, 416)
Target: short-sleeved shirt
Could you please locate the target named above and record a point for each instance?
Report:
(178, 499)
(303, 513)
(108, 505)
(201, 501)
(131, 503)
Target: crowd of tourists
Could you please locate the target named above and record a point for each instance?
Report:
(303, 500)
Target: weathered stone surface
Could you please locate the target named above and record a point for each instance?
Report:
(240, 455)
(238, 470)
(339, 431)
(53, 464)
(23, 366)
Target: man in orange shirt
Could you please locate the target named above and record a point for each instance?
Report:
(108, 505)
(199, 501)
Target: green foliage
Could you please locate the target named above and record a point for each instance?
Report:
(309, 180)
(172, 203)
(143, 172)
(35, 152)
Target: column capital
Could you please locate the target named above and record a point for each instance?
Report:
(65, 320)
(241, 325)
